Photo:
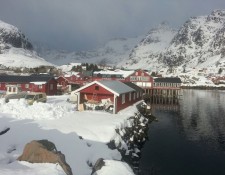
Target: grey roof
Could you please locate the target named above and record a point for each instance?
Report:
(24, 79)
(116, 86)
(168, 80)
(134, 86)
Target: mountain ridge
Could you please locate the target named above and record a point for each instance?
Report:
(16, 50)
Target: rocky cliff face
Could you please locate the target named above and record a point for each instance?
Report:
(10, 36)
(147, 54)
(15, 49)
(197, 41)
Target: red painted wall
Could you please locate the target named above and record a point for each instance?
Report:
(35, 88)
(141, 73)
(128, 102)
(62, 81)
(102, 93)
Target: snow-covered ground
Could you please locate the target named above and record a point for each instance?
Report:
(59, 122)
(18, 57)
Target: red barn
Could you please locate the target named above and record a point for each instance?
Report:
(33, 83)
(142, 79)
(68, 83)
(119, 94)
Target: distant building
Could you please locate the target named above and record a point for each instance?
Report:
(119, 75)
(67, 83)
(167, 87)
(33, 83)
(142, 79)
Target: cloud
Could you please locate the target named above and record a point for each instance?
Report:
(84, 24)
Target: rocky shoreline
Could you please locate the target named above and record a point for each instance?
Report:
(133, 138)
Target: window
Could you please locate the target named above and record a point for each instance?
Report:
(27, 86)
(40, 86)
(18, 85)
(134, 96)
(137, 94)
(123, 98)
(96, 88)
(51, 86)
(130, 96)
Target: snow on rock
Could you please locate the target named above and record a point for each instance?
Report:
(16, 50)
(147, 53)
(25, 168)
(114, 168)
(81, 136)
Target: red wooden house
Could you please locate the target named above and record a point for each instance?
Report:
(33, 83)
(142, 79)
(119, 94)
(67, 83)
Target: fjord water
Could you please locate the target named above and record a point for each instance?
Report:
(189, 138)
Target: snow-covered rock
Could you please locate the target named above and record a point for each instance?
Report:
(16, 50)
(147, 54)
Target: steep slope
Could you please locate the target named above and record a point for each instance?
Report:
(16, 50)
(111, 53)
(148, 52)
(199, 42)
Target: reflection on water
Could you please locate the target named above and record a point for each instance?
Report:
(203, 117)
(188, 138)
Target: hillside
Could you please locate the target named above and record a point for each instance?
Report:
(111, 53)
(147, 53)
(199, 43)
(16, 50)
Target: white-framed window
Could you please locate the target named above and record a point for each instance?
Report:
(27, 86)
(40, 86)
(123, 98)
(130, 96)
(51, 86)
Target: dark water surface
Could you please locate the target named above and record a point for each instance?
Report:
(188, 139)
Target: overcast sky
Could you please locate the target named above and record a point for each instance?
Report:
(84, 24)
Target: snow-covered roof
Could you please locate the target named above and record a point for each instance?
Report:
(24, 79)
(115, 72)
(116, 87)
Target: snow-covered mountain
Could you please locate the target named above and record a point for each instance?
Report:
(199, 43)
(147, 53)
(16, 50)
(111, 53)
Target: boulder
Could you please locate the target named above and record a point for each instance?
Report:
(44, 151)
(98, 165)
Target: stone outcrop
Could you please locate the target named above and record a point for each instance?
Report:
(4, 131)
(44, 151)
(98, 165)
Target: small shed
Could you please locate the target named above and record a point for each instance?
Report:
(100, 92)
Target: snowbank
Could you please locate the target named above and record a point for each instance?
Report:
(58, 122)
